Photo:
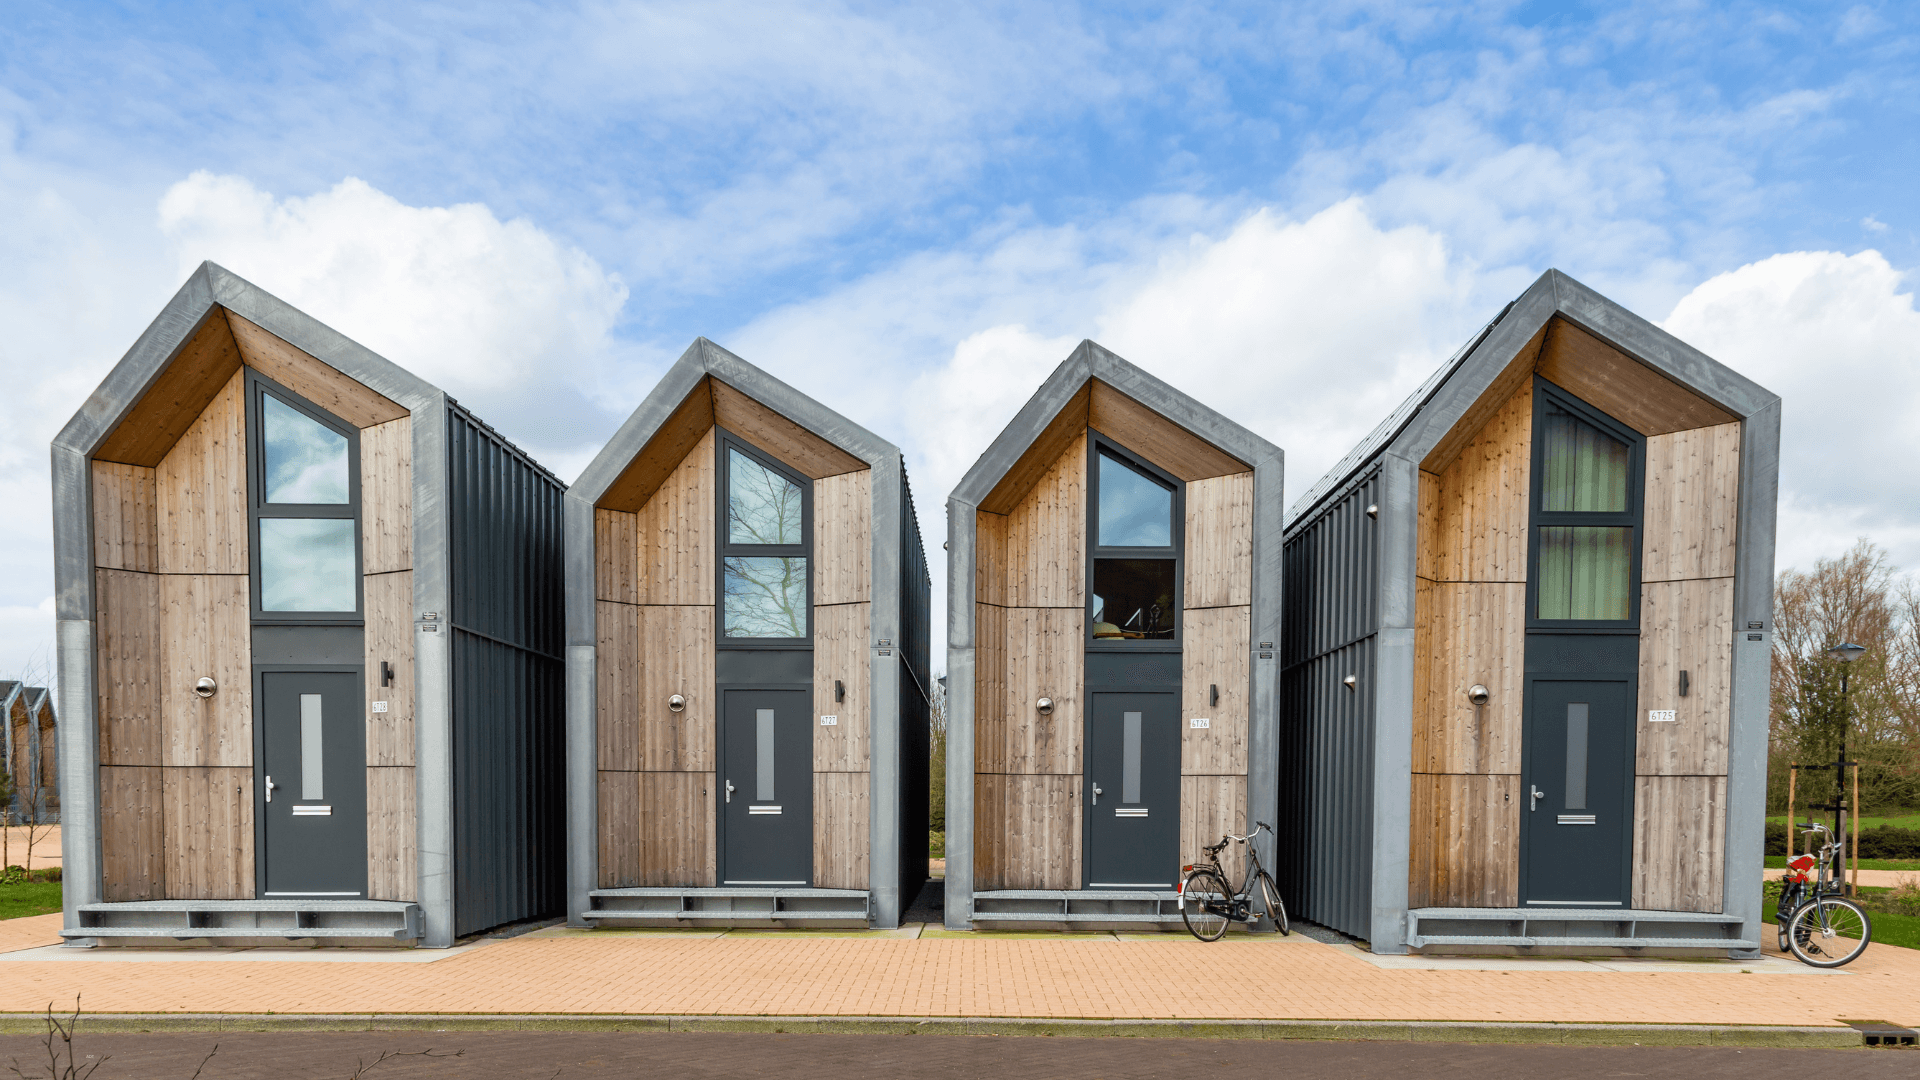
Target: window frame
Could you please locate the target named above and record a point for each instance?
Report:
(724, 442)
(1545, 395)
(1097, 442)
(257, 387)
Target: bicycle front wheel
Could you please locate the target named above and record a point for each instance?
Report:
(1205, 905)
(1276, 907)
(1829, 932)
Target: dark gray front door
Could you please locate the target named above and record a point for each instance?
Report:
(766, 788)
(314, 783)
(1132, 795)
(1576, 794)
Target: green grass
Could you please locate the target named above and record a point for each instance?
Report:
(1902, 931)
(936, 844)
(29, 898)
(1900, 819)
(1779, 862)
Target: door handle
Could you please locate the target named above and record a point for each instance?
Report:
(1533, 799)
(1096, 794)
(269, 787)
(729, 791)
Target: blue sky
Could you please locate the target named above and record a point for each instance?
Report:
(1292, 211)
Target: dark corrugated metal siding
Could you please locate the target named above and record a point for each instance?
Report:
(916, 733)
(506, 581)
(1326, 730)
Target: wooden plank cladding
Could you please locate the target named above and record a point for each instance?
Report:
(842, 538)
(202, 488)
(1692, 504)
(773, 433)
(663, 831)
(1685, 626)
(392, 844)
(1679, 842)
(205, 632)
(386, 496)
(1026, 831)
(209, 833)
(840, 836)
(1622, 387)
(1470, 627)
(309, 377)
(1470, 632)
(1214, 655)
(1046, 537)
(674, 534)
(841, 655)
(1219, 544)
(1211, 807)
(1042, 656)
(1464, 841)
(133, 841)
(125, 534)
(389, 639)
(196, 375)
(646, 656)
(616, 556)
(1156, 438)
(1480, 524)
(127, 616)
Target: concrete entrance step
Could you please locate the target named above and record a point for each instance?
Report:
(725, 905)
(231, 921)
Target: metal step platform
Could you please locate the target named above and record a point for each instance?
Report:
(1078, 909)
(727, 906)
(1580, 928)
(248, 922)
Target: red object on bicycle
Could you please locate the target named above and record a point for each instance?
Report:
(1799, 867)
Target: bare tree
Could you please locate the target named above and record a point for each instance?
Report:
(1849, 598)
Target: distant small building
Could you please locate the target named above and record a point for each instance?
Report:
(31, 754)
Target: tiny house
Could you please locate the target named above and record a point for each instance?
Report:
(1113, 614)
(309, 644)
(1526, 659)
(747, 702)
(30, 755)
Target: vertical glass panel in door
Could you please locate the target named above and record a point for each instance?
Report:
(1585, 572)
(307, 564)
(306, 461)
(1133, 599)
(1136, 510)
(765, 597)
(1585, 469)
(763, 507)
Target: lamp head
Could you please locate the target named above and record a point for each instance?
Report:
(1847, 652)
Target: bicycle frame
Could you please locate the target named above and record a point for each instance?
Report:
(1243, 895)
(1795, 894)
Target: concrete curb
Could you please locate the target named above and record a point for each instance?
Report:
(1333, 1030)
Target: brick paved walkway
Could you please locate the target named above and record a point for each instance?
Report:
(1168, 976)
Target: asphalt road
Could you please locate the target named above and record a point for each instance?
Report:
(689, 1056)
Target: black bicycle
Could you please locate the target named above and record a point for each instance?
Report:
(1208, 906)
(1815, 922)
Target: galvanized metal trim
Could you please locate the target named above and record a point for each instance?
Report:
(1267, 624)
(79, 766)
(130, 379)
(1752, 668)
(962, 527)
(433, 674)
(583, 783)
(581, 586)
(883, 733)
(1393, 692)
(1658, 349)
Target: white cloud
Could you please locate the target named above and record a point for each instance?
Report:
(1837, 337)
(483, 307)
(26, 642)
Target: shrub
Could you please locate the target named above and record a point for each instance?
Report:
(1884, 842)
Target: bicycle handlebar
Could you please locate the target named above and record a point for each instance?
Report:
(1257, 827)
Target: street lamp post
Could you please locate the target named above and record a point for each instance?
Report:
(1846, 653)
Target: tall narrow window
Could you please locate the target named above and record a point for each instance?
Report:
(304, 493)
(1136, 534)
(765, 588)
(1585, 513)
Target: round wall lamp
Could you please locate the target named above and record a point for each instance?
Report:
(205, 687)
(1478, 694)
(677, 703)
(1045, 705)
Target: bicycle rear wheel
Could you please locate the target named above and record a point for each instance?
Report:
(1276, 907)
(1205, 904)
(1829, 932)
